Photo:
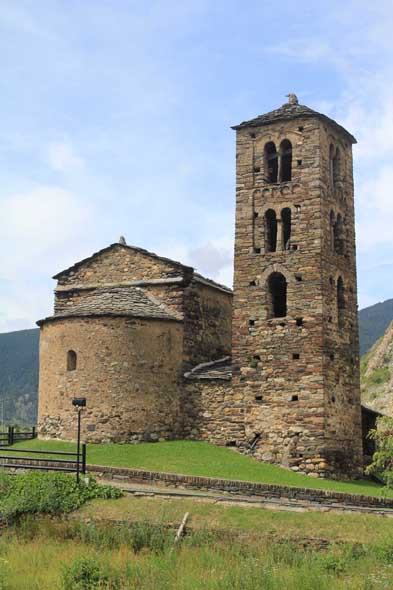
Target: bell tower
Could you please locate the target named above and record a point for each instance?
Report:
(295, 333)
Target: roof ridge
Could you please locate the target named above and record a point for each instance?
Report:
(288, 111)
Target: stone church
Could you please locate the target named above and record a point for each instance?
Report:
(161, 352)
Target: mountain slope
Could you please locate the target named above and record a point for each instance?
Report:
(373, 322)
(19, 376)
(377, 374)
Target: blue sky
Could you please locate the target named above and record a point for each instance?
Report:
(115, 119)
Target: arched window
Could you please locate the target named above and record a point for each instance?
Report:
(270, 231)
(340, 302)
(71, 360)
(271, 162)
(337, 166)
(331, 158)
(332, 229)
(286, 227)
(286, 160)
(339, 235)
(277, 290)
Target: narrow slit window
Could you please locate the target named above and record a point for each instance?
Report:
(271, 162)
(336, 165)
(340, 302)
(277, 289)
(339, 235)
(71, 360)
(286, 160)
(286, 227)
(270, 231)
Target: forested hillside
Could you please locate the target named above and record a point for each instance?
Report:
(19, 376)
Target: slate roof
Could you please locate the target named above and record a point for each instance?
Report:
(219, 369)
(291, 111)
(117, 301)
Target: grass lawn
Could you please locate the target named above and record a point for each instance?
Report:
(291, 526)
(204, 459)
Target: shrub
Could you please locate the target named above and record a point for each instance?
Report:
(382, 464)
(87, 573)
(50, 493)
(378, 376)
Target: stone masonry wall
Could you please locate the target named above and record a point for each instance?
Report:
(280, 363)
(212, 412)
(128, 369)
(207, 324)
(341, 345)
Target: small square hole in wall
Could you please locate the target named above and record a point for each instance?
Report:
(301, 128)
(331, 356)
(231, 443)
(331, 280)
(297, 208)
(256, 214)
(257, 169)
(330, 319)
(258, 398)
(299, 321)
(299, 162)
(296, 356)
(251, 322)
(257, 250)
(252, 284)
(294, 246)
(333, 399)
(295, 398)
(256, 357)
(299, 278)
(252, 135)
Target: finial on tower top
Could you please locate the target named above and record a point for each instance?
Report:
(292, 98)
(122, 241)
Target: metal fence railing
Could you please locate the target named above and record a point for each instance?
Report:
(47, 461)
(13, 435)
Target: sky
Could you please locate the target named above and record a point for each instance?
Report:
(115, 119)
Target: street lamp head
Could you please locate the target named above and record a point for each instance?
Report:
(79, 402)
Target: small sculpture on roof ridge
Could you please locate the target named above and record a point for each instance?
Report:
(292, 98)
(122, 241)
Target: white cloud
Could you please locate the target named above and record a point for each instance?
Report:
(214, 259)
(36, 225)
(62, 157)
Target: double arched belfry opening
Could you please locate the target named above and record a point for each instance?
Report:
(278, 164)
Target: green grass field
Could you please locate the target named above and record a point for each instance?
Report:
(204, 459)
(252, 549)
(207, 515)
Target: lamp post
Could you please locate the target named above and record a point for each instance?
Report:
(79, 403)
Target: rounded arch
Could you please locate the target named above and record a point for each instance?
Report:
(271, 162)
(277, 295)
(280, 268)
(285, 160)
(72, 359)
